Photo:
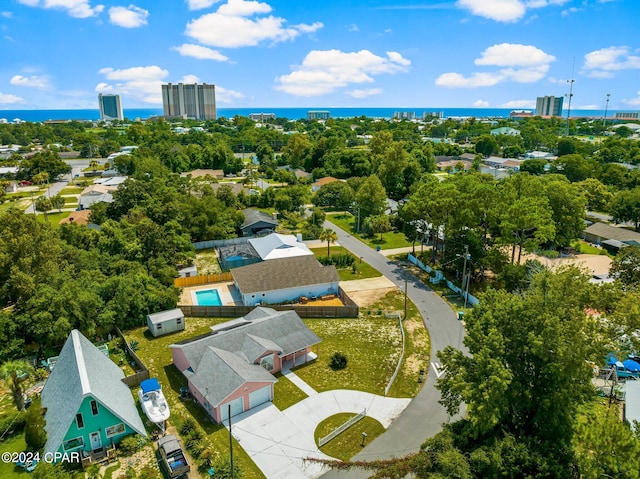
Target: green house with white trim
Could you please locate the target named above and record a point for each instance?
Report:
(88, 407)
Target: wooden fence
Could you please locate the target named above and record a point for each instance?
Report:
(134, 379)
(202, 279)
(237, 311)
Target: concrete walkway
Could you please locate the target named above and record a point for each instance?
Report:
(295, 379)
(280, 441)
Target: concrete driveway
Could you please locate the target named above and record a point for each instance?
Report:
(280, 441)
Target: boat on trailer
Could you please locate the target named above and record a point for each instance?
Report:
(153, 402)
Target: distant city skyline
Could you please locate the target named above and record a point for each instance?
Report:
(457, 53)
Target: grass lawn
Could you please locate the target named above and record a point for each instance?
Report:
(71, 190)
(285, 393)
(207, 261)
(372, 345)
(390, 240)
(363, 270)
(349, 443)
(53, 218)
(586, 248)
(70, 200)
(13, 444)
(155, 353)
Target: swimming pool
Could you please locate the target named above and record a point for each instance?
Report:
(208, 297)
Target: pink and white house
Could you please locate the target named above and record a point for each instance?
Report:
(230, 370)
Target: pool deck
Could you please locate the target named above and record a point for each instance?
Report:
(229, 295)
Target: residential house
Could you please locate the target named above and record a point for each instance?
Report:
(281, 280)
(230, 370)
(612, 238)
(505, 130)
(202, 173)
(88, 407)
(277, 246)
(257, 223)
(95, 194)
(236, 255)
(321, 182)
(165, 322)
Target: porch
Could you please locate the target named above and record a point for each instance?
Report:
(98, 456)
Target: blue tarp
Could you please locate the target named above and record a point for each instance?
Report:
(631, 365)
(611, 359)
(148, 385)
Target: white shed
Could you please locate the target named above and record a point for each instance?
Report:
(165, 322)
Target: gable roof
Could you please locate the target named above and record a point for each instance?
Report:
(276, 246)
(606, 231)
(223, 360)
(283, 273)
(254, 216)
(163, 316)
(81, 371)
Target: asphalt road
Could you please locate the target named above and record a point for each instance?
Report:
(424, 416)
(53, 190)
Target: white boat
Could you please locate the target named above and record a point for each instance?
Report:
(153, 401)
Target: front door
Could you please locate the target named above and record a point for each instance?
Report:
(96, 441)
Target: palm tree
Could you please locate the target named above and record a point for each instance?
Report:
(329, 236)
(93, 164)
(15, 372)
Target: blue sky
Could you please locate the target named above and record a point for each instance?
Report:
(347, 53)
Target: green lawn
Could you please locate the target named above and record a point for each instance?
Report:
(285, 393)
(9, 470)
(156, 355)
(363, 270)
(349, 443)
(53, 218)
(390, 240)
(71, 190)
(372, 344)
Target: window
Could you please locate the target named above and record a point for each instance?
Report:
(114, 430)
(159, 326)
(73, 443)
(179, 321)
(79, 421)
(267, 362)
(94, 408)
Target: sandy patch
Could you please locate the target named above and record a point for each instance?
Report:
(596, 263)
(366, 298)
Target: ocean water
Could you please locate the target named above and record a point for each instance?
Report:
(290, 113)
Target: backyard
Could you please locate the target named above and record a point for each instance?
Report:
(359, 270)
(390, 240)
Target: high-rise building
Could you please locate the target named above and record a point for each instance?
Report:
(110, 107)
(549, 106)
(189, 101)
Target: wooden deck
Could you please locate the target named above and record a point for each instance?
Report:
(98, 456)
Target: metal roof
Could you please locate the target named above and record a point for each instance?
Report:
(163, 316)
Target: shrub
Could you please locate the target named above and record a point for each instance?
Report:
(338, 361)
(34, 433)
(132, 444)
(187, 426)
(13, 423)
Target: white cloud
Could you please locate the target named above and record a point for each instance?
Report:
(142, 83)
(588, 107)
(364, 93)
(522, 64)
(200, 52)
(200, 4)
(604, 62)
(75, 8)
(8, 99)
(33, 81)
(513, 54)
(7, 14)
(505, 10)
(519, 104)
(128, 17)
(569, 11)
(231, 26)
(324, 71)
(227, 96)
(352, 28)
(456, 80)
(633, 101)
(481, 104)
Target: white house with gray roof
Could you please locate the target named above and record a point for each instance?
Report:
(88, 407)
(231, 368)
(165, 322)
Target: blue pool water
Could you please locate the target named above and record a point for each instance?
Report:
(208, 297)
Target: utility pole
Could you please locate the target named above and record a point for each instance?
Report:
(606, 109)
(233, 474)
(464, 268)
(570, 82)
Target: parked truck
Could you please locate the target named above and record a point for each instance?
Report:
(172, 456)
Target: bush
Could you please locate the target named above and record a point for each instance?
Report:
(132, 444)
(13, 422)
(187, 426)
(338, 361)
(34, 433)
(340, 261)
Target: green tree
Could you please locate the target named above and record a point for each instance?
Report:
(371, 198)
(378, 224)
(35, 434)
(526, 373)
(57, 202)
(487, 145)
(533, 166)
(596, 194)
(626, 266)
(625, 206)
(40, 178)
(43, 204)
(15, 373)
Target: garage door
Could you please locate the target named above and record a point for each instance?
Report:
(236, 408)
(260, 396)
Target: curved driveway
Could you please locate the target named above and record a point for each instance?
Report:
(424, 416)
